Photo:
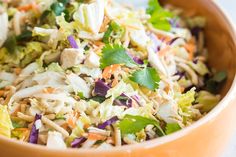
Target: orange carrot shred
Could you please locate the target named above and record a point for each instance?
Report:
(191, 48)
(108, 71)
(32, 6)
(17, 71)
(49, 90)
(94, 136)
(164, 51)
(71, 122)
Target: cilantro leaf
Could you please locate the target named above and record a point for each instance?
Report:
(153, 5)
(131, 124)
(113, 27)
(147, 77)
(172, 127)
(159, 16)
(115, 54)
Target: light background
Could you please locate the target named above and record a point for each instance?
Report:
(230, 7)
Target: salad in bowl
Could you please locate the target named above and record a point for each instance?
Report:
(100, 74)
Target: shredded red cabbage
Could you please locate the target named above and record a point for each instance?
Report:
(138, 60)
(108, 122)
(174, 22)
(72, 41)
(33, 138)
(123, 101)
(135, 59)
(101, 88)
(77, 142)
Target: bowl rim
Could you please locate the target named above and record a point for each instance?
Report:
(158, 141)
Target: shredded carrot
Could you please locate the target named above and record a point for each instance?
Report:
(32, 6)
(164, 51)
(167, 89)
(94, 136)
(71, 122)
(72, 119)
(17, 71)
(65, 126)
(191, 48)
(182, 89)
(98, 43)
(165, 38)
(49, 90)
(25, 132)
(86, 126)
(22, 129)
(108, 71)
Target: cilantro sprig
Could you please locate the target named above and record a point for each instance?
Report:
(147, 77)
(132, 124)
(115, 54)
(159, 16)
(171, 128)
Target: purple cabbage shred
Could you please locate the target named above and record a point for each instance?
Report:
(72, 42)
(77, 142)
(108, 122)
(33, 138)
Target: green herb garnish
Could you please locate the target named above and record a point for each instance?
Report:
(115, 54)
(147, 77)
(172, 127)
(159, 16)
(132, 124)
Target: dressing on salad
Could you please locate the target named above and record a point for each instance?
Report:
(99, 74)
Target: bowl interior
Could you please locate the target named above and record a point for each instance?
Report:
(220, 37)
